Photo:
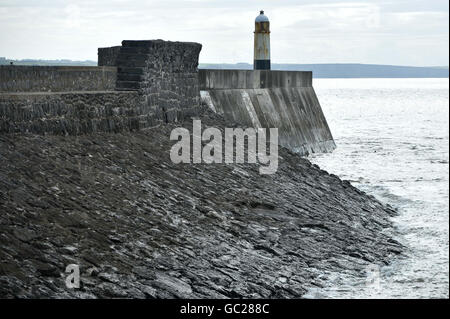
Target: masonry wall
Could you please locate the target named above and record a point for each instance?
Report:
(18, 78)
(165, 73)
(73, 113)
(150, 82)
(108, 56)
(282, 99)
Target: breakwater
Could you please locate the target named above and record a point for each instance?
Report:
(142, 83)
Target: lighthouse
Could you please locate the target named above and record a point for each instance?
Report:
(261, 60)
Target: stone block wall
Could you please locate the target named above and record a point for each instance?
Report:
(165, 73)
(148, 82)
(73, 113)
(108, 56)
(21, 78)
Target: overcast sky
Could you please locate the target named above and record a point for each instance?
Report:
(409, 32)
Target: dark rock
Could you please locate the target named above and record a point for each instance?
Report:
(140, 226)
(46, 269)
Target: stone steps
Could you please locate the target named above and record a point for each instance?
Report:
(128, 85)
(130, 70)
(132, 61)
(129, 77)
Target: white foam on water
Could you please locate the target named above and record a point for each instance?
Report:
(392, 139)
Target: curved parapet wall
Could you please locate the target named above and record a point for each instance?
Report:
(282, 99)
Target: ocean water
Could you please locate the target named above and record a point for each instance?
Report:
(393, 142)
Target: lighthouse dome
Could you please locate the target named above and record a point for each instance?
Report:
(262, 17)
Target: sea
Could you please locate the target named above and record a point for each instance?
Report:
(392, 139)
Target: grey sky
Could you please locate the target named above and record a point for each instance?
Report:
(409, 32)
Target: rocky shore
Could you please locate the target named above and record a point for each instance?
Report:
(140, 226)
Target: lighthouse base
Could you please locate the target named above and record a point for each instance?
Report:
(261, 65)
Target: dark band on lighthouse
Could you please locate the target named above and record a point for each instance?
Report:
(261, 60)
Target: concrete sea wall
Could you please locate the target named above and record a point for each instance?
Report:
(20, 78)
(281, 99)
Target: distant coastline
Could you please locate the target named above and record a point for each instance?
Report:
(348, 70)
(323, 70)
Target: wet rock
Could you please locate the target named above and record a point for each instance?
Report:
(110, 290)
(46, 269)
(140, 226)
(93, 271)
(25, 235)
(172, 287)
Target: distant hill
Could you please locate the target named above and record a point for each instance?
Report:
(327, 70)
(353, 70)
(65, 62)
